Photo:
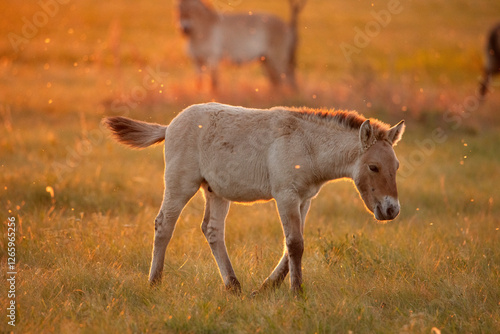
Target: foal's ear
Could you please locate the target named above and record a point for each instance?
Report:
(366, 134)
(396, 132)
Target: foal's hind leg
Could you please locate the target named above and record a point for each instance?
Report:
(213, 227)
(171, 208)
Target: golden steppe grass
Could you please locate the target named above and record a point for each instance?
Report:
(84, 206)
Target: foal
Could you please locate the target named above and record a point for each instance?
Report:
(245, 155)
(240, 38)
(492, 54)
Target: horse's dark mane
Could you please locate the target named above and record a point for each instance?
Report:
(349, 120)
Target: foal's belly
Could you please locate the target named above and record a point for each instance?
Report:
(239, 190)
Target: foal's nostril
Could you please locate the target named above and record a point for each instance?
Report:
(388, 209)
(390, 212)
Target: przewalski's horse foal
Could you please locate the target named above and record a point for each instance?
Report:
(492, 56)
(240, 38)
(245, 155)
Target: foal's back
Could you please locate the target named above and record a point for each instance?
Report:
(228, 146)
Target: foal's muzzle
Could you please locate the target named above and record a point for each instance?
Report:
(388, 209)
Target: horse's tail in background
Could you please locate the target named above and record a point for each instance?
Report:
(296, 7)
(134, 133)
(492, 59)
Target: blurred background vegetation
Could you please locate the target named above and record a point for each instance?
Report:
(85, 206)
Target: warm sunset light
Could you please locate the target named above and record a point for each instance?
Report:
(250, 166)
(50, 190)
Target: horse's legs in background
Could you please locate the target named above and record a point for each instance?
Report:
(290, 77)
(272, 72)
(214, 80)
(279, 273)
(200, 70)
(204, 67)
(171, 208)
(216, 210)
(483, 85)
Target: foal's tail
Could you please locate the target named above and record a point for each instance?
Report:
(134, 133)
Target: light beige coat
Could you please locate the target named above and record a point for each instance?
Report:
(246, 155)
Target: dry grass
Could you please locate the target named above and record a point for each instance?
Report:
(83, 255)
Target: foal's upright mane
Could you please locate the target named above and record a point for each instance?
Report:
(348, 120)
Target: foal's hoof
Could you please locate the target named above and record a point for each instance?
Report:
(235, 290)
(298, 292)
(155, 282)
(254, 293)
(267, 285)
(234, 287)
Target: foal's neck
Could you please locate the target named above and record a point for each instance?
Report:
(337, 152)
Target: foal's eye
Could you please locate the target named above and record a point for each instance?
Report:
(373, 168)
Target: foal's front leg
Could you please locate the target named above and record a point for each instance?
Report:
(279, 273)
(289, 210)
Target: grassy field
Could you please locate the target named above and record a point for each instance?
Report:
(84, 206)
